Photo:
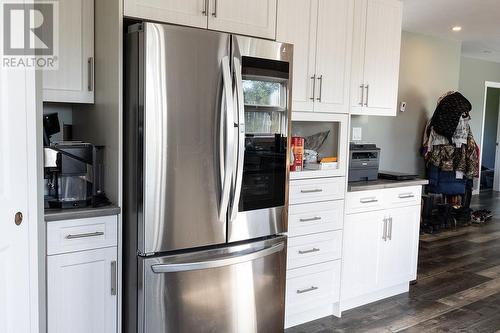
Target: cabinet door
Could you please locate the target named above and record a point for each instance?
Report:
(253, 18)
(185, 12)
(361, 253)
(357, 91)
(73, 82)
(297, 23)
(80, 295)
(333, 55)
(400, 251)
(382, 53)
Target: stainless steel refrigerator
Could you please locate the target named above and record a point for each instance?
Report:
(207, 118)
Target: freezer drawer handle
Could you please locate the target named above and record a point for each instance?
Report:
(406, 195)
(223, 261)
(368, 200)
(301, 291)
(311, 191)
(316, 218)
(314, 249)
(90, 234)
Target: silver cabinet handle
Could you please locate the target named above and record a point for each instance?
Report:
(90, 68)
(406, 195)
(316, 218)
(384, 233)
(320, 79)
(389, 232)
(367, 94)
(113, 277)
(311, 191)
(314, 249)
(368, 200)
(313, 78)
(90, 234)
(301, 291)
(214, 13)
(362, 94)
(204, 11)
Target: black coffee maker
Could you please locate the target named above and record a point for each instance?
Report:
(74, 172)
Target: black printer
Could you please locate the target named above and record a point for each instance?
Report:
(363, 161)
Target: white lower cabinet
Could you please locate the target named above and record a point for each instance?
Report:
(316, 220)
(82, 284)
(380, 252)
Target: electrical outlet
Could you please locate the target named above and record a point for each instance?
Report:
(357, 134)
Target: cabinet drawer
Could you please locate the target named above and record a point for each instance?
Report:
(317, 217)
(363, 201)
(314, 190)
(308, 286)
(403, 196)
(314, 249)
(82, 234)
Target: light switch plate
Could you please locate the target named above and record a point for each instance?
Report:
(357, 134)
(403, 107)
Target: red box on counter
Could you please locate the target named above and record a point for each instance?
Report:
(298, 153)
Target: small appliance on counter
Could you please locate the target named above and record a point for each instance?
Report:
(364, 161)
(74, 173)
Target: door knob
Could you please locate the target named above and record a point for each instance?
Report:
(18, 219)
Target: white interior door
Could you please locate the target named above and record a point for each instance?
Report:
(297, 24)
(18, 247)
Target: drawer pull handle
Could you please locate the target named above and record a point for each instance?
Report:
(311, 191)
(406, 196)
(301, 291)
(316, 218)
(90, 234)
(309, 251)
(368, 200)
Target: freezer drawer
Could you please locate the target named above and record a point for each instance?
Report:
(233, 289)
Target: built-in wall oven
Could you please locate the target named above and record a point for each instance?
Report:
(206, 166)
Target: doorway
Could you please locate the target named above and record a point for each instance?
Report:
(490, 164)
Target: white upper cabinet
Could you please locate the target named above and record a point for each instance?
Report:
(253, 18)
(376, 55)
(321, 31)
(186, 12)
(333, 55)
(73, 82)
(297, 24)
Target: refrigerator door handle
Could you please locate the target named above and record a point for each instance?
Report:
(226, 136)
(240, 125)
(228, 260)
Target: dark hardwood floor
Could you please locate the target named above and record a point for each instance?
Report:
(458, 287)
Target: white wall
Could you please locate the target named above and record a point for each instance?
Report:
(429, 67)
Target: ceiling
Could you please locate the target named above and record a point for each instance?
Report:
(479, 19)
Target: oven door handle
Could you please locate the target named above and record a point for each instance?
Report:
(240, 129)
(226, 138)
(228, 260)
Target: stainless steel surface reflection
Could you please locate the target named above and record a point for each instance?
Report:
(236, 289)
